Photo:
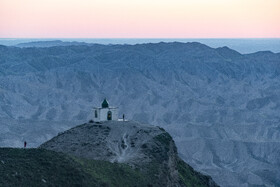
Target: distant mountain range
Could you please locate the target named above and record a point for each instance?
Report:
(221, 107)
(242, 45)
(51, 43)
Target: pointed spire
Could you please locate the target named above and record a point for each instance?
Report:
(105, 104)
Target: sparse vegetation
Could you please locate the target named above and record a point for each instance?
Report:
(40, 167)
(164, 139)
(189, 177)
(112, 174)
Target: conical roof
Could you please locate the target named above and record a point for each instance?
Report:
(105, 104)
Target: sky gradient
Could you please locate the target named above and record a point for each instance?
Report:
(139, 18)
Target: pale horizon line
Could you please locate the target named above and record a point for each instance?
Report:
(146, 38)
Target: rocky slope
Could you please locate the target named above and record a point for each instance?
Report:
(221, 107)
(144, 147)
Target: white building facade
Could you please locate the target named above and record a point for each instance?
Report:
(105, 112)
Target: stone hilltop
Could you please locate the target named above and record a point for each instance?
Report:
(147, 148)
(109, 140)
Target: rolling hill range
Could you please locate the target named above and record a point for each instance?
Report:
(221, 107)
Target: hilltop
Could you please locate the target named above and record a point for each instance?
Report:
(148, 149)
(102, 154)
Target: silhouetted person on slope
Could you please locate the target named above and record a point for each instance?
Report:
(123, 117)
(25, 144)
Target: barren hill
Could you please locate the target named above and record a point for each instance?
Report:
(146, 148)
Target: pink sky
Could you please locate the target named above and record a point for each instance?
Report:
(139, 18)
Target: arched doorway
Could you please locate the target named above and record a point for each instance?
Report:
(109, 115)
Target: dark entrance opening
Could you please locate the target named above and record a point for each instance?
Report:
(109, 115)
